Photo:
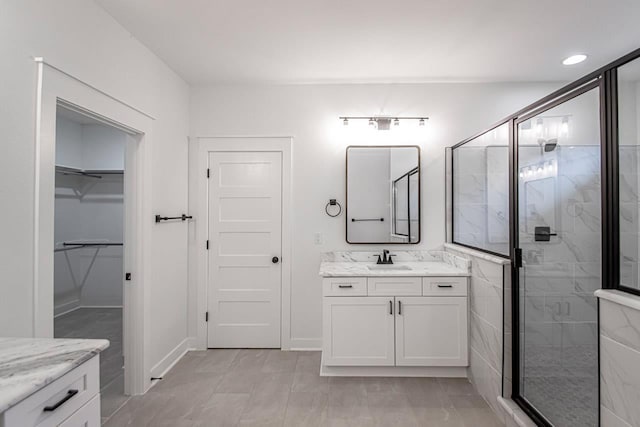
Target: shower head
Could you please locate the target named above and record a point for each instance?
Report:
(548, 145)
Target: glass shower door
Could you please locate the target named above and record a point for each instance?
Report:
(559, 233)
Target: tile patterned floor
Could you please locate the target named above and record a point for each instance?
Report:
(274, 388)
(562, 383)
(100, 323)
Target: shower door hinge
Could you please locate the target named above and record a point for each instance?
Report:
(208, 172)
(206, 316)
(207, 245)
(518, 256)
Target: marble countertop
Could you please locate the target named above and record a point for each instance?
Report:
(419, 263)
(29, 364)
(424, 268)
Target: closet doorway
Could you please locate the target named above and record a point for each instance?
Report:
(89, 242)
(58, 90)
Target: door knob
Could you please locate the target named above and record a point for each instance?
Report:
(275, 260)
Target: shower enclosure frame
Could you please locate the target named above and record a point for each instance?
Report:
(596, 83)
(605, 79)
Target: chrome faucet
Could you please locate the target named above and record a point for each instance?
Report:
(386, 257)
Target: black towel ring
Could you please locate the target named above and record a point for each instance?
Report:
(333, 202)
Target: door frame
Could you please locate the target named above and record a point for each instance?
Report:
(209, 144)
(56, 87)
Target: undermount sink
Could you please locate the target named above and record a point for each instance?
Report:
(388, 267)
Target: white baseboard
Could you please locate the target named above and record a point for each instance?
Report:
(167, 362)
(394, 371)
(66, 308)
(193, 344)
(305, 344)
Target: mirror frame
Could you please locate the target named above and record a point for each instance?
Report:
(346, 192)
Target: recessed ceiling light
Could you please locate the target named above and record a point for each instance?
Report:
(574, 59)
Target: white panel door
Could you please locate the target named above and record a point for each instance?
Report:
(358, 331)
(245, 223)
(431, 331)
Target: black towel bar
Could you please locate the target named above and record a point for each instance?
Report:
(182, 217)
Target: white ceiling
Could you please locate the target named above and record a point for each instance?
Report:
(303, 41)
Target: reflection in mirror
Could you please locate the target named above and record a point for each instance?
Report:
(383, 194)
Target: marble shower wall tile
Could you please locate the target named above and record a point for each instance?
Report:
(486, 305)
(486, 380)
(609, 419)
(620, 323)
(620, 380)
(619, 358)
(481, 197)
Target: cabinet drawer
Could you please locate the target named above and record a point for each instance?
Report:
(394, 286)
(57, 401)
(87, 416)
(344, 286)
(444, 286)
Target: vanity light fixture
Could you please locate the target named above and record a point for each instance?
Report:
(574, 59)
(384, 122)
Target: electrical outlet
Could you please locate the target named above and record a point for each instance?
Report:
(317, 238)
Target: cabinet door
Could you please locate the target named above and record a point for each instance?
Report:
(358, 331)
(431, 331)
(87, 416)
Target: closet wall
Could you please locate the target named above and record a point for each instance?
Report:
(90, 210)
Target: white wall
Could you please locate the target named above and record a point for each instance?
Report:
(310, 113)
(80, 38)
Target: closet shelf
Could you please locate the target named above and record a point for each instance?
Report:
(91, 173)
(69, 246)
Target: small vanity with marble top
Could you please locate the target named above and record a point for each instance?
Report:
(47, 382)
(406, 318)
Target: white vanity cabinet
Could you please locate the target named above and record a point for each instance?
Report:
(431, 331)
(360, 331)
(72, 400)
(395, 321)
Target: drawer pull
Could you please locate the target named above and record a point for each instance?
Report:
(345, 286)
(62, 401)
(445, 286)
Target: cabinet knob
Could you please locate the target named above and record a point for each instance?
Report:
(275, 260)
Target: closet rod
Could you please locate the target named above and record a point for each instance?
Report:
(69, 246)
(91, 244)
